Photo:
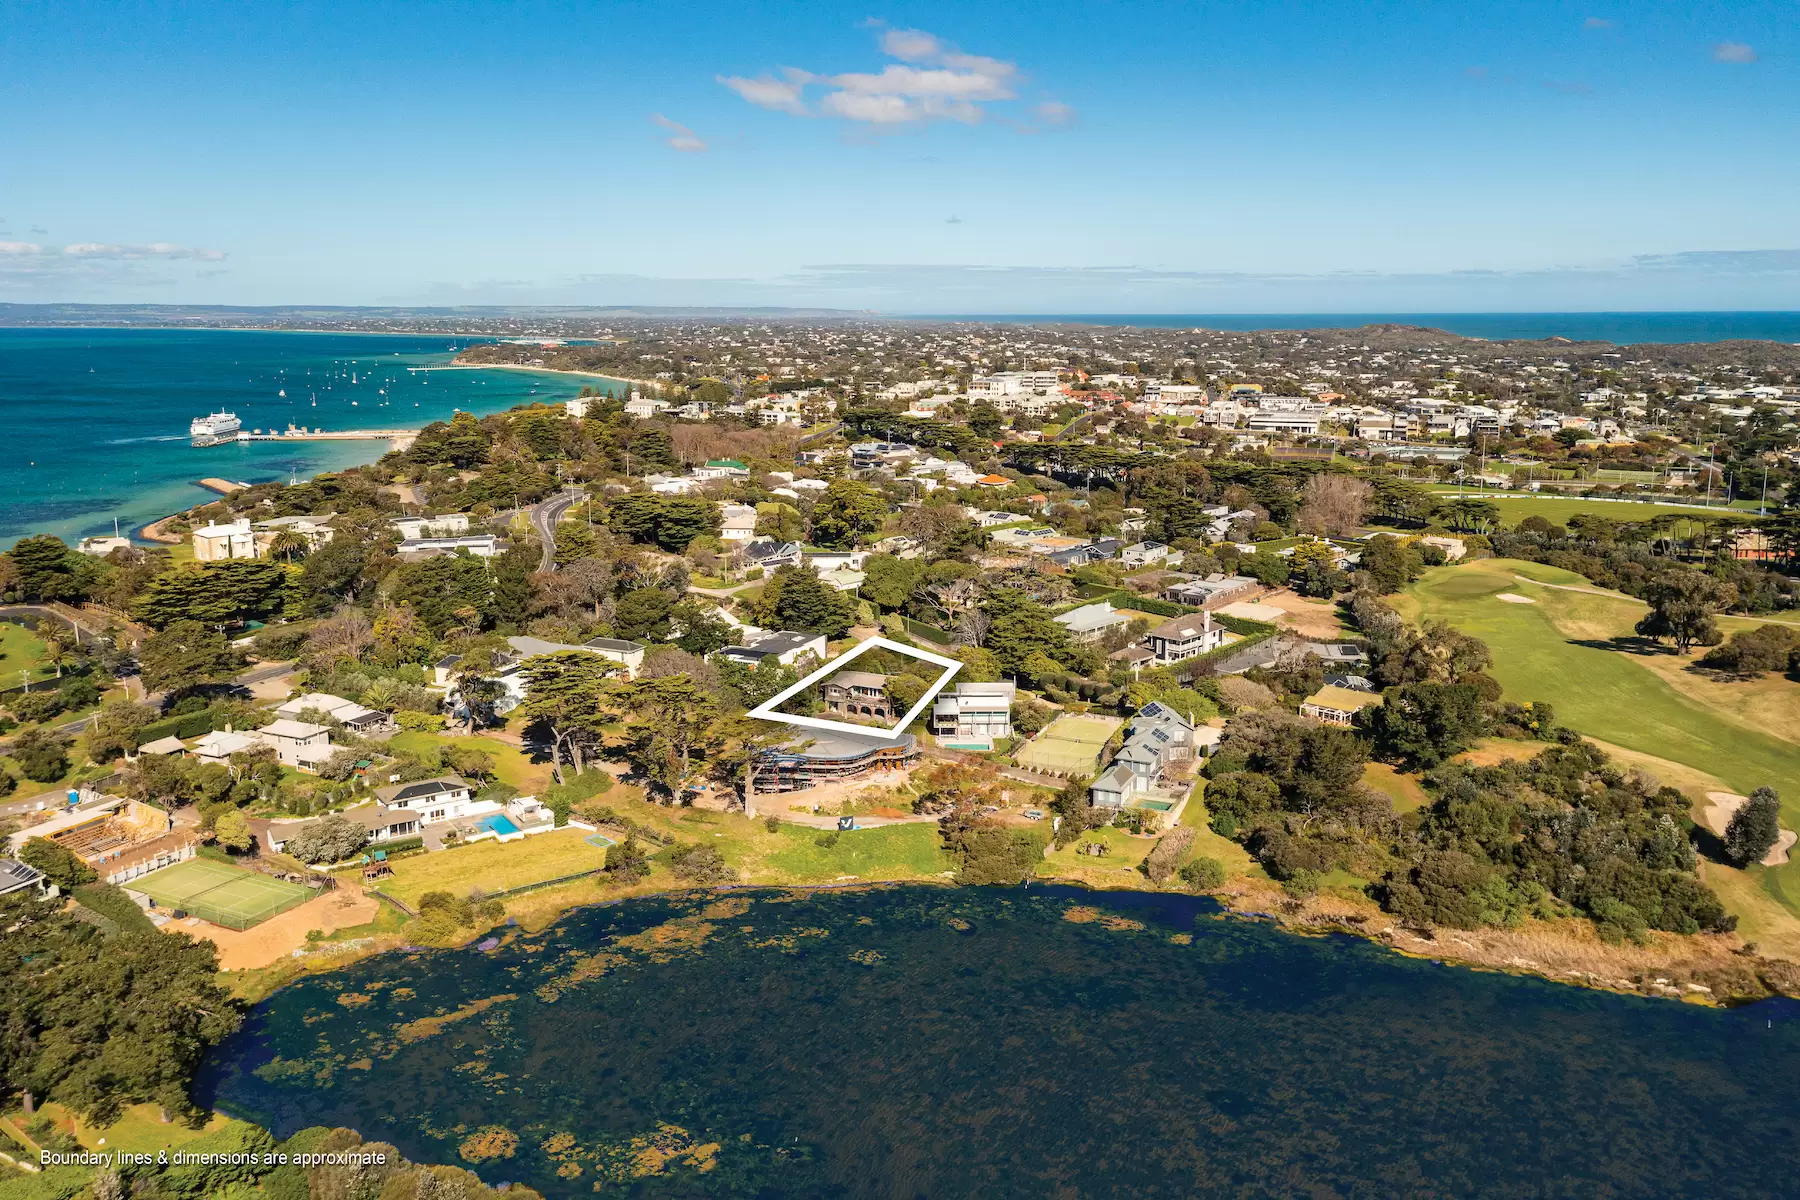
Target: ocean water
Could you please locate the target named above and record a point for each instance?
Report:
(1621, 328)
(920, 1041)
(96, 420)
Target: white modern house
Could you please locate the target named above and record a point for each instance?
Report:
(298, 744)
(442, 798)
(974, 715)
(219, 745)
(481, 545)
(448, 525)
(823, 561)
(348, 713)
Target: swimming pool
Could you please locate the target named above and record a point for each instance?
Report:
(498, 823)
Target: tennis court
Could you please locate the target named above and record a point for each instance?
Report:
(222, 894)
(1069, 745)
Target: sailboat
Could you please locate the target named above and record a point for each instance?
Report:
(282, 393)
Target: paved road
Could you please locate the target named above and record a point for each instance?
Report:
(544, 516)
(265, 673)
(817, 435)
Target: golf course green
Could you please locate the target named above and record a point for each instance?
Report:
(1552, 644)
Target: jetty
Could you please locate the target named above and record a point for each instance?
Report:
(401, 438)
(222, 486)
(300, 433)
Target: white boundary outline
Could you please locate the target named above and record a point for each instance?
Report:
(766, 710)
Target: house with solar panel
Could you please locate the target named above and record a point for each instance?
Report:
(1139, 775)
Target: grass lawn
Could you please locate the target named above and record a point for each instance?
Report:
(139, 1130)
(511, 764)
(1208, 844)
(1117, 869)
(911, 851)
(1514, 509)
(1405, 791)
(493, 866)
(21, 650)
(1559, 649)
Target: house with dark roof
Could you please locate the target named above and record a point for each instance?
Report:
(16, 876)
(442, 798)
(768, 553)
(785, 647)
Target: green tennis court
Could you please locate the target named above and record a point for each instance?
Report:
(222, 894)
(1070, 745)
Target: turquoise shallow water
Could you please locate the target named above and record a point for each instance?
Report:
(96, 420)
(980, 1042)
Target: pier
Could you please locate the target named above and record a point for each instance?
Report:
(299, 433)
(402, 438)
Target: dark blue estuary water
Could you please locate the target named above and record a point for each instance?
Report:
(921, 1041)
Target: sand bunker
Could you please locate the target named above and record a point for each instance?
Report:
(1717, 816)
(1515, 598)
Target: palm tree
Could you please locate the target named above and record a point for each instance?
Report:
(288, 543)
(54, 651)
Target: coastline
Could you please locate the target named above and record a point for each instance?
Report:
(463, 366)
(1699, 969)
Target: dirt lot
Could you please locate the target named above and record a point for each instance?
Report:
(281, 935)
(1317, 619)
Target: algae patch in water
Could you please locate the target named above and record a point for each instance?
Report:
(908, 1041)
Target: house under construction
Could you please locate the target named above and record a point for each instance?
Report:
(815, 757)
(119, 838)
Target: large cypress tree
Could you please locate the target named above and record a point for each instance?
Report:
(1754, 827)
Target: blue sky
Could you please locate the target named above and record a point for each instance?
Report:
(1092, 157)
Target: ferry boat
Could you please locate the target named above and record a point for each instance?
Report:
(214, 428)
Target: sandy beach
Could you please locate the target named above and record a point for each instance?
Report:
(462, 366)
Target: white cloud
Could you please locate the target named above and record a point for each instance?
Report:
(1733, 52)
(55, 271)
(766, 91)
(683, 138)
(153, 250)
(932, 81)
(911, 45)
